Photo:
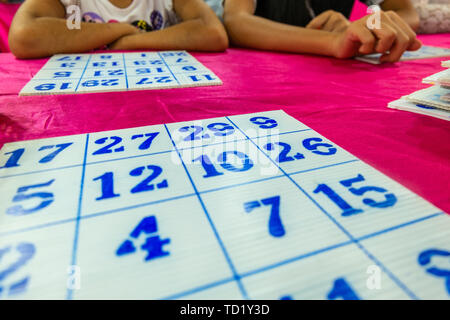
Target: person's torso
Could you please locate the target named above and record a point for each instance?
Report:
(300, 12)
(146, 14)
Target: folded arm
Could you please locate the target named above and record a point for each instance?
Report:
(329, 34)
(247, 30)
(199, 30)
(39, 29)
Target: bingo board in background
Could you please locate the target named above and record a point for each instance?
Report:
(253, 206)
(108, 72)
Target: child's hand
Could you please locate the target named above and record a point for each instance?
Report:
(120, 44)
(125, 43)
(392, 39)
(330, 20)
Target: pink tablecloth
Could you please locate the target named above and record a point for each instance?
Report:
(343, 100)
(7, 12)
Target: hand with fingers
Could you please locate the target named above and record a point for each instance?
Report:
(393, 37)
(329, 20)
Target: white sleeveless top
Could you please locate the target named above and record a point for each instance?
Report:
(146, 14)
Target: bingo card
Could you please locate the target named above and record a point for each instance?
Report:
(253, 206)
(107, 72)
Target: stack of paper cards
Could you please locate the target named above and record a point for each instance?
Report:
(82, 73)
(253, 206)
(441, 78)
(435, 96)
(433, 101)
(423, 53)
(406, 105)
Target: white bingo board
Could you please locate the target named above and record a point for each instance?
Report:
(108, 72)
(253, 206)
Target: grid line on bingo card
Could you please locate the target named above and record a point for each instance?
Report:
(146, 204)
(237, 276)
(295, 259)
(342, 244)
(198, 289)
(298, 258)
(170, 70)
(345, 231)
(163, 152)
(84, 71)
(77, 222)
(211, 223)
(125, 69)
(90, 215)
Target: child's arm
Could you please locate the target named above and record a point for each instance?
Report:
(246, 30)
(39, 29)
(200, 30)
(405, 9)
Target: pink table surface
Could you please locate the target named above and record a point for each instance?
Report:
(345, 100)
(7, 12)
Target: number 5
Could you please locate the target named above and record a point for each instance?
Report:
(19, 210)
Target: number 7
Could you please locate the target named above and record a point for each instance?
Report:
(51, 156)
(276, 228)
(148, 142)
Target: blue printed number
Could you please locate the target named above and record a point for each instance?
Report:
(342, 290)
(53, 86)
(154, 245)
(276, 228)
(218, 129)
(315, 145)
(223, 159)
(26, 252)
(197, 78)
(141, 71)
(149, 138)
(114, 143)
(110, 148)
(162, 79)
(107, 182)
(46, 199)
(59, 148)
(189, 68)
(103, 83)
(146, 184)
(13, 160)
(284, 154)
(174, 54)
(425, 259)
(264, 122)
(70, 58)
(62, 74)
(347, 210)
